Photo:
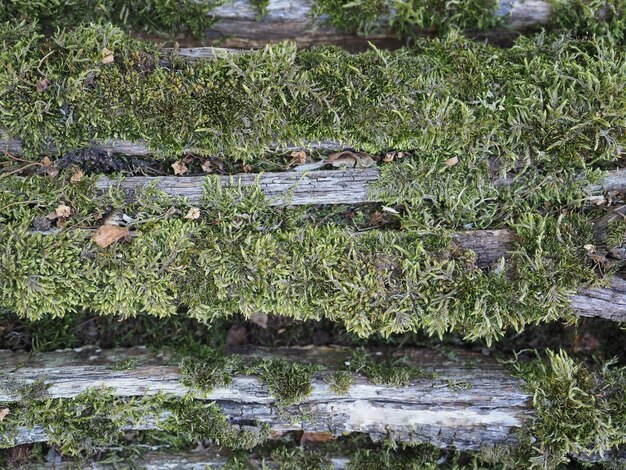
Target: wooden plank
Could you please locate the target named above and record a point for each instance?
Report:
(482, 412)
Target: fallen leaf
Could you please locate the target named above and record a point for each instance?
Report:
(63, 211)
(206, 166)
(237, 335)
(193, 213)
(259, 319)
(3, 413)
(108, 234)
(297, 158)
(376, 219)
(42, 84)
(390, 209)
(316, 437)
(179, 167)
(586, 342)
(389, 157)
(46, 162)
(247, 168)
(590, 247)
(107, 56)
(219, 164)
(77, 175)
(452, 161)
(345, 159)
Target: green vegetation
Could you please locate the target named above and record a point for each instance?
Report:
(391, 372)
(581, 18)
(340, 382)
(289, 382)
(154, 16)
(379, 282)
(579, 409)
(95, 418)
(406, 16)
(439, 99)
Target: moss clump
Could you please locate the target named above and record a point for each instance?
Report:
(439, 99)
(391, 372)
(379, 282)
(207, 374)
(154, 16)
(589, 18)
(97, 417)
(340, 382)
(78, 425)
(406, 16)
(579, 410)
(289, 382)
(195, 420)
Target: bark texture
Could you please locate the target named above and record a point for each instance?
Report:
(471, 402)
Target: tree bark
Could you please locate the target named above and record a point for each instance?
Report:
(472, 401)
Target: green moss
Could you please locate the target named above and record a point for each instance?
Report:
(96, 418)
(289, 382)
(154, 16)
(195, 420)
(406, 16)
(591, 17)
(261, 7)
(436, 99)
(391, 372)
(205, 375)
(340, 382)
(379, 282)
(579, 410)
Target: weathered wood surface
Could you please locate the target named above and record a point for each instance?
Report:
(237, 25)
(315, 187)
(483, 411)
(298, 188)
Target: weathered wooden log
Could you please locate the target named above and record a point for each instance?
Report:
(238, 25)
(298, 188)
(470, 403)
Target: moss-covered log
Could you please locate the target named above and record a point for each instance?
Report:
(467, 402)
(303, 187)
(457, 398)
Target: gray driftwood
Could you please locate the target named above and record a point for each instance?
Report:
(472, 402)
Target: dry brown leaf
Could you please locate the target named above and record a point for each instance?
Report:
(42, 84)
(297, 158)
(206, 166)
(237, 335)
(345, 159)
(193, 213)
(108, 234)
(77, 175)
(259, 319)
(316, 437)
(389, 157)
(247, 168)
(63, 211)
(452, 161)
(3, 413)
(107, 56)
(46, 162)
(180, 168)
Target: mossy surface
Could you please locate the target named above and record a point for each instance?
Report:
(439, 99)
(589, 18)
(379, 282)
(154, 16)
(406, 16)
(579, 409)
